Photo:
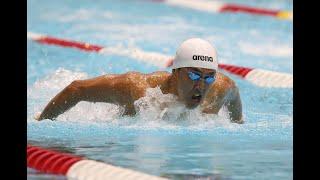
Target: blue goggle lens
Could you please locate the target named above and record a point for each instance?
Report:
(209, 79)
(196, 77)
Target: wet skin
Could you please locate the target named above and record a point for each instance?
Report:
(124, 89)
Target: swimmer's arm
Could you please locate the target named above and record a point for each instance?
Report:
(235, 107)
(113, 88)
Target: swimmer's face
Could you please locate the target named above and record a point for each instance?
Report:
(192, 92)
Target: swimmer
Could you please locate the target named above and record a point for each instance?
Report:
(195, 80)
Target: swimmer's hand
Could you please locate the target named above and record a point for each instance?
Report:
(241, 121)
(37, 116)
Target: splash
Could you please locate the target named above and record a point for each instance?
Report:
(155, 110)
(157, 107)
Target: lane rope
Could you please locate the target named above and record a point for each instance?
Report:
(74, 167)
(259, 77)
(220, 7)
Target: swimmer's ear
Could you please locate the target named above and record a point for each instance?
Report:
(174, 71)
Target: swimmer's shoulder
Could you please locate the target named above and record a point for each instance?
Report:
(224, 81)
(131, 77)
(222, 86)
(160, 74)
(157, 78)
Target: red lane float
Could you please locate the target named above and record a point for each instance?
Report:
(74, 167)
(68, 43)
(49, 161)
(220, 7)
(246, 9)
(240, 71)
(259, 77)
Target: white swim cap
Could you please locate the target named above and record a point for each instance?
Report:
(196, 52)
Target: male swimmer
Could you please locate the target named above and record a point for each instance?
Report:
(195, 80)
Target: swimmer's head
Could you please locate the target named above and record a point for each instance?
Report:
(194, 67)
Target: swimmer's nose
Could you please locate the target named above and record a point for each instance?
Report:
(200, 85)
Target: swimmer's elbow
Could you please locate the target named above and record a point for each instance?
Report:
(75, 89)
(75, 86)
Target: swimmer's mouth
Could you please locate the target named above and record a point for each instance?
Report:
(197, 97)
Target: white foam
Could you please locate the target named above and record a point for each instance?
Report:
(159, 107)
(92, 112)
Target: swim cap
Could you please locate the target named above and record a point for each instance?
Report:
(196, 52)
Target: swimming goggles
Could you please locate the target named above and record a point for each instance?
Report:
(196, 77)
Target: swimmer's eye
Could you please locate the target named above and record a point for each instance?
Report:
(194, 76)
(209, 79)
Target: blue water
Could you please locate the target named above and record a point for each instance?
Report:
(198, 146)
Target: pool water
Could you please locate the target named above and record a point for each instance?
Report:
(190, 147)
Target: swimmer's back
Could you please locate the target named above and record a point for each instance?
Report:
(137, 82)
